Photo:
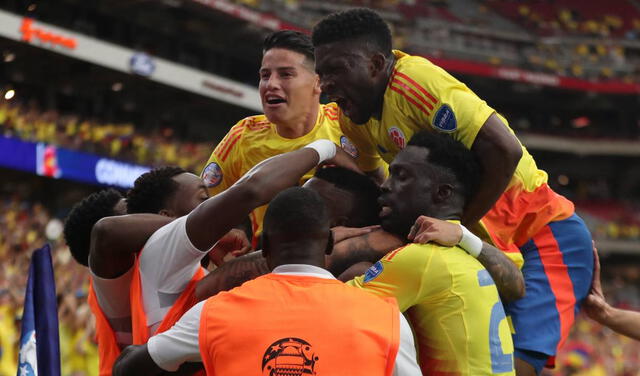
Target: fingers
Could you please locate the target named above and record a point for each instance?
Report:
(341, 233)
(242, 251)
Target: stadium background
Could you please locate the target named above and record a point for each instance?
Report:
(94, 93)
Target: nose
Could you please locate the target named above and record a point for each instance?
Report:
(272, 82)
(384, 188)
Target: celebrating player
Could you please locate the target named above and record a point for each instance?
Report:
(290, 93)
(386, 96)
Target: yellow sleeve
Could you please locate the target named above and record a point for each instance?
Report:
(410, 274)
(221, 170)
(455, 108)
(367, 157)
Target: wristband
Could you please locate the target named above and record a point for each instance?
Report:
(325, 149)
(470, 242)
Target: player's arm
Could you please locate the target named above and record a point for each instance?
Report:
(217, 215)
(499, 152)
(368, 248)
(115, 241)
(174, 352)
(620, 320)
(507, 276)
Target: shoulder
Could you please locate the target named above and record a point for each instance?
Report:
(331, 111)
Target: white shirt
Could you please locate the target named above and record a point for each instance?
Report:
(180, 344)
(168, 261)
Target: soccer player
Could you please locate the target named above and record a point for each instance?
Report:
(450, 298)
(296, 320)
(386, 96)
(290, 93)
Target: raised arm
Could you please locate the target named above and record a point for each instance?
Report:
(505, 273)
(499, 153)
(115, 240)
(366, 248)
(216, 216)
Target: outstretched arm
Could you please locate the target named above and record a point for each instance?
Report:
(216, 216)
(505, 273)
(499, 153)
(232, 274)
(115, 241)
(366, 248)
(620, 320)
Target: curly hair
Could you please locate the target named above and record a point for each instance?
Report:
(290, 40)
(82, 217)
(152, 190)
(353, 24)
(452, 155)
(365, 190)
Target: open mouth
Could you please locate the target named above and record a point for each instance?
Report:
(273, 100)
(385, 211)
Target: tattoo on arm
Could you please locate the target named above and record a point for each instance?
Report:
(352, 251)
(232, 274)
(504, 272)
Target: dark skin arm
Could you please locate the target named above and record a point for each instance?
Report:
(499, 153)
(508, 278)
(205, 224)
(232, 274)
(369, 247)
(135, 360)
(115, 241)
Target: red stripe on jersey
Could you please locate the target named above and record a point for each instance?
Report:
(393, 254)
(417, 86)
(415, 94)
(232, 139)
(226, 153)
(410, 99)
(225, 142)
(560, 282)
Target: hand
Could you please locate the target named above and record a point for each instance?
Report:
(343, 159)
(233, 244)
(341, 233)
(595, 305)
(427, 229)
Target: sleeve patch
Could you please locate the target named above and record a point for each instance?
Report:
(373, 272)
(444, 119)
(348, 146)
(212, 175)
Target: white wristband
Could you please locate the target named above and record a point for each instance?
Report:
(470, 242)
(326, 149)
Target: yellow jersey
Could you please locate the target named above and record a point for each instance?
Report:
(255, 138)
(453, 306)
(420, 95)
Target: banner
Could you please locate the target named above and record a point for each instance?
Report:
(58, 163)
(39, 339)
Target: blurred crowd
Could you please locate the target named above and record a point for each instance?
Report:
(25, 226)
(120, 141)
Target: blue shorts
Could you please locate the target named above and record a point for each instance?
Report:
(558, 268)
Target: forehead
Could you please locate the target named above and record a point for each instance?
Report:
(188, 181)
(280, 57)
(335, 51)
(413, 157)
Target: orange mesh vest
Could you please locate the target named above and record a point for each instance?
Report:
(297, 325)
(139, 318)
(108, 350)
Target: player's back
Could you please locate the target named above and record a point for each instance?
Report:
(453, 306)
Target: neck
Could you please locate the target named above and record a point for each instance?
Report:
(382, 86)
(307, 254)
(300, 126)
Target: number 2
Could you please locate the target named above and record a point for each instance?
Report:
(500, 362)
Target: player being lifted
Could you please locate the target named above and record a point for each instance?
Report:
(386, 96)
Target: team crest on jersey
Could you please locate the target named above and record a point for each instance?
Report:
(348, 146)
(397, 136)
(444, 119)
(212, 175)
(373, 271)
(289, 356)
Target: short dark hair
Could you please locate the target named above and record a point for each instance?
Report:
(290, 40)
(296, 211)
(365, 190)
(352, 24)
(152, 190)
(448, 153)
(82, 217)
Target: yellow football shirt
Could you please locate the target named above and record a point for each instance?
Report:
(453, 306)
(255, 139)
(420, 95)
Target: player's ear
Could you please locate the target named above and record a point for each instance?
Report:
(317, 89)
(443, 193)
(330, 242)
(166, 212)
(377, 63)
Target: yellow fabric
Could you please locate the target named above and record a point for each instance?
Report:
(450, 299)
(255, 139)
(8, 342)
(418, 92)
